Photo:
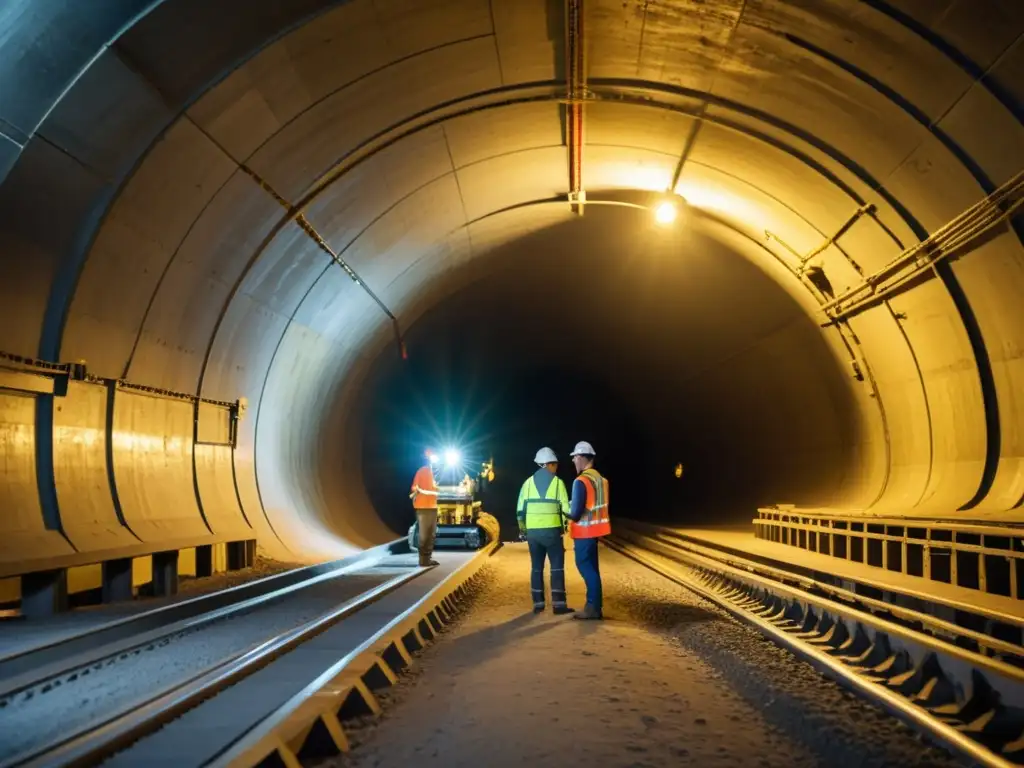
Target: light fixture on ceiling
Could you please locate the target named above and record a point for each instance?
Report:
(666, 212)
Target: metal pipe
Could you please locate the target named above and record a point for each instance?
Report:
(575, 88)
(944, 243)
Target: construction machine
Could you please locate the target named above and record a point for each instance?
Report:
(461, 521)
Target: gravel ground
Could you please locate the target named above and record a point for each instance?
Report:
(39, 715)
(189, 586)
(17, 633)
(666, 679)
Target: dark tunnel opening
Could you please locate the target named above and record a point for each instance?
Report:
(659, 346)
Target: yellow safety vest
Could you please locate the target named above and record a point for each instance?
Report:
(544, 511)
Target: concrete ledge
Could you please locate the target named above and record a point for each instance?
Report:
(44, 590)
(311, 724)
(8, 569)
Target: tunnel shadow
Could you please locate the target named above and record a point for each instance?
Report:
(488, 642)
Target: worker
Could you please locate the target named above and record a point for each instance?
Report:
(424, 501)
(588, 513)
(542, 510)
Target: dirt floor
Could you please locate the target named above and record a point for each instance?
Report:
(666, 679)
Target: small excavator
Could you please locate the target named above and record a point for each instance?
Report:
(461, 521)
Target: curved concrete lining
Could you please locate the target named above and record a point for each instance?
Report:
(151, 157)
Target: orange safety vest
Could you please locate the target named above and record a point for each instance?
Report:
(423, 481)
(595, 520)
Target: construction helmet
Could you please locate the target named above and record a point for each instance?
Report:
(545, 456)
(583, 448)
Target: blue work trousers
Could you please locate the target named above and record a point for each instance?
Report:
(546, 543)
(590, 569)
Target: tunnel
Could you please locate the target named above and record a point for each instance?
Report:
(232, 232)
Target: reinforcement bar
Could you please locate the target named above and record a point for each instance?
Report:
(309, 726)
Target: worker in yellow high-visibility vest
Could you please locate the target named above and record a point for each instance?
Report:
(542, 512)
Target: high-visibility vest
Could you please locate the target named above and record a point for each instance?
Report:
(424, 491)
(544, 511)
(595, 520)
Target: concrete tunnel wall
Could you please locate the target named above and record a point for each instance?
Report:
(149, 151)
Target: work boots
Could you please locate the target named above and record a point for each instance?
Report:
(428, 562)
(558, 610)
(589, 612)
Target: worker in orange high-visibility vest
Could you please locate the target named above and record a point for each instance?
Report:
(424, 501)
(589, 521)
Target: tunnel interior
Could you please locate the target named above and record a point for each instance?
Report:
(219, 223)
(661, 345)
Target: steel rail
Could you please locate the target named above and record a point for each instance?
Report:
(35, 665)
(826, 604)
(117, 731)
(914, 682)
(283, 733)
(682, 540)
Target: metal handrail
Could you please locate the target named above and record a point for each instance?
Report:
(959, 605)
(976, 528)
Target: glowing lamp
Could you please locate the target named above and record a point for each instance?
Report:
(665, 213)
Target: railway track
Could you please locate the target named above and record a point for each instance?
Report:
(101, 695)
(962, 687)
(34, 663)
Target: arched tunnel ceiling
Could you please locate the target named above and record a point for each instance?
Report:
(158, 156)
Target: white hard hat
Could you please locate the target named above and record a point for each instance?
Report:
(583, 448)
(545, 456)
